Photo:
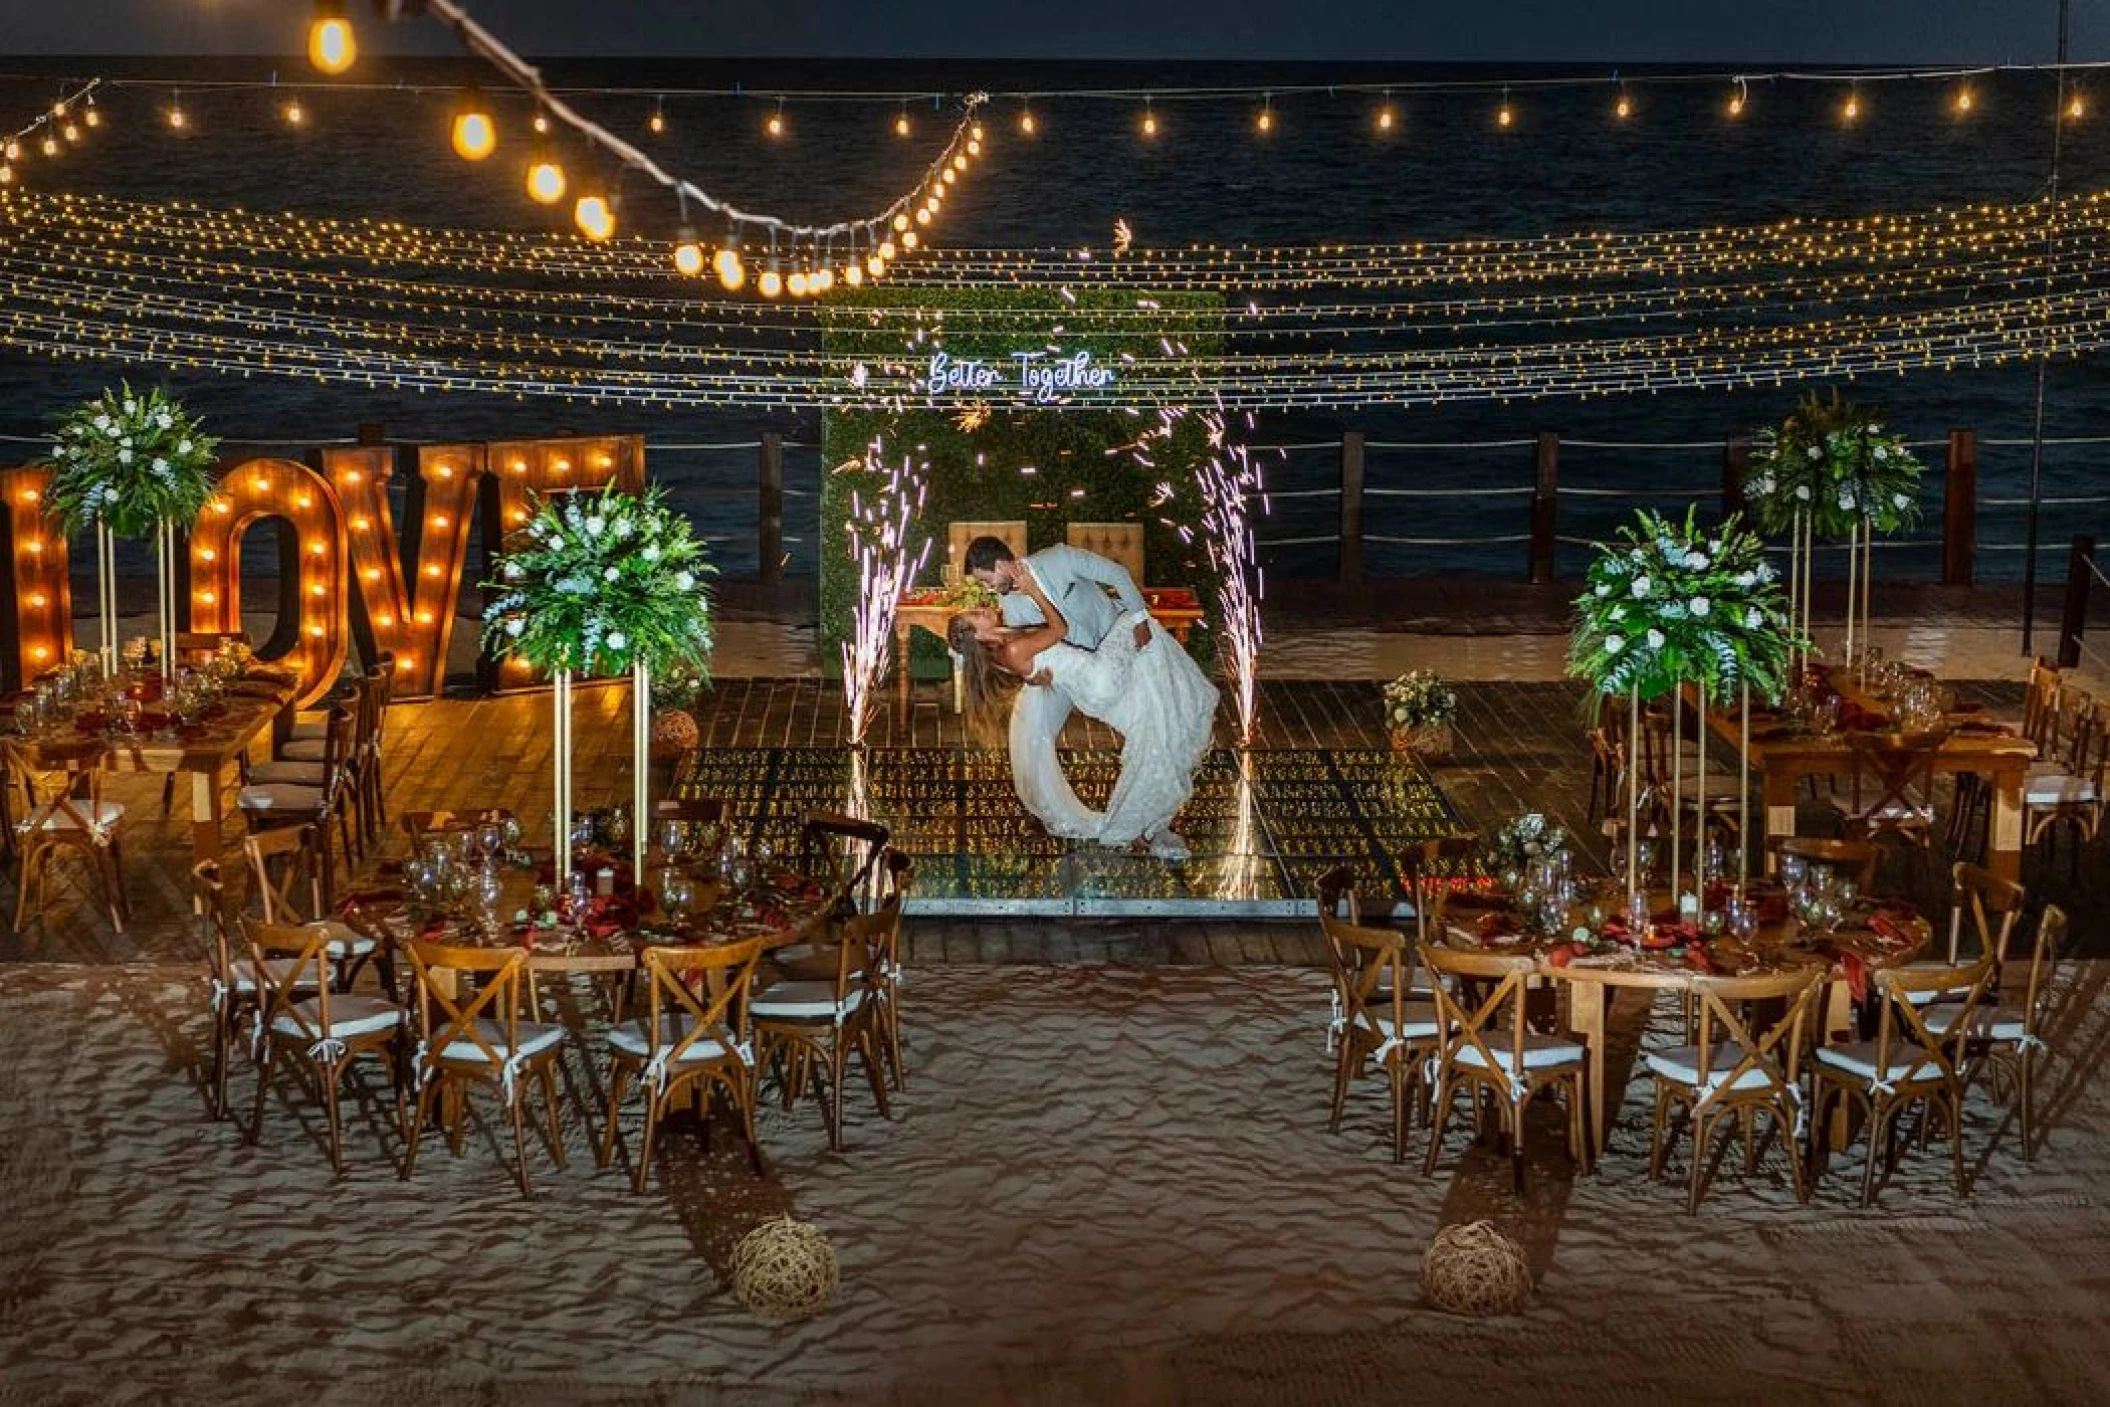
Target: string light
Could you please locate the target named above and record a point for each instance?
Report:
(1264, 120)
(1504, 115)
(1964, 100)
(901, 123)
(545, 177)
(1386, 116)
(1851, 111)
(657, 122)
(294, 113)
(688, 254)
(1026, 124)
(475, 134)
(541, 123)
(775, 125)
(1150, 120)
(771, 283)
(176, 120)
(1739, 95)
(594, 216)
(732, 274)
(332, 47)
(1624, 108)
(93, 115)
(2076, 106)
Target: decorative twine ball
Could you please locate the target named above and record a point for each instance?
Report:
(674, 731)
(784, 1270)
(1475, 1270)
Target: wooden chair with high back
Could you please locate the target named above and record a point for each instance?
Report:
(1909, 1063)
(897, 874)
(1119, 543)
(1607, 780)
(693, 1041)
(303, 1023)
(1011, 532)
(479, 1040)
(285, 883)
(267, 805)
(1892, 789)
(63, 808)
(1992, 906)
(807, 1027)
(1734, 1072)
(1379, 1023)
(2071, 794)
(1671, 780)
(2009, 1039)
(304, 760)
(234, 992)
(842, 852)
(1490, 1048)
(1434, 869)
(2039, 725)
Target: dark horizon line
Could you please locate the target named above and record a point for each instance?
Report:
(1610, 70)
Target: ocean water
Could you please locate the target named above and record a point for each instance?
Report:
(1322, 176)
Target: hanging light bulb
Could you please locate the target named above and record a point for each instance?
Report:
(7, 174)
(545, 178)
(910, 239)
(541, 124)
(771, 284)
(887, 252)
(1851, 112)
(594, 216)
(50, 145)
(295, 114)
(1150, 120)
(1624, 108)
(657, 122)
(732, 274)
(93, 117)
(332, 47)
(176, 119)
(853, 274)
(1737, 98)
(901, 124)
(775, 125)
(58, 109)
(875, 265)
(475, 134)
(1264, 122)
(71, 132)
(13, 150)
(1387, 117)
(822, 280)
(1026, 124)
(1965, 100)
(688, 254)
(2076, 106)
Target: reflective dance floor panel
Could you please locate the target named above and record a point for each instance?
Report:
(1263, 825)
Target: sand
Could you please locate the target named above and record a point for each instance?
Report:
(1103, 1185)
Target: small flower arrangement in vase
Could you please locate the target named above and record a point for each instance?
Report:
(1419, 712)
(1526, 840)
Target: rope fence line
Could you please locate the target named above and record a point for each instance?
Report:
(1448, 541)
(1447, 493)
(1297, 541)
(1567, 443)
(1447, 444)
(1568, 490)
(2046, 502)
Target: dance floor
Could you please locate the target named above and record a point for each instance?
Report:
(1102, 1185)
(1263, 825)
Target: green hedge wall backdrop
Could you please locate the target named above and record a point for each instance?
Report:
(996, 455)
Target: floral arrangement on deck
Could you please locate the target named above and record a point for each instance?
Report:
(1419, 699)
(1524, 839)
(1832, 462)
(966, 594)
(1672, 604)
(597, 582)
(134, 462)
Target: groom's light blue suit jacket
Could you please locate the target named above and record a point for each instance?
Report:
(1077, 582)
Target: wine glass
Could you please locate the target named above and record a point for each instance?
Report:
(492, 840)
(673, 838)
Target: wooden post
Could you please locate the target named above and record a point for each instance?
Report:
(1352, 508)
(2073, 621)
(1545, 504)
(372, 432)
(1959, 509)
(1736, 465)
(770, 518)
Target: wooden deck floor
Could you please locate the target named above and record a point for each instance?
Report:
(1519, 749)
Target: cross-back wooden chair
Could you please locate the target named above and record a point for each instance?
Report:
(286, 885)
(806, 1029)
(1891, 792)
(1380, 1024)
(1990, 904)
(480, 1040)
(2007, 1041)
(233, 992)
(842, 852)
(1736, 1071)
(63, 809)
(1671, 781)
(1488, 1047)
(302, 1023)
(1915, 1060)
(694, 1040)
(304, 760)
(1434, 869)
(1607, 779)
(897, 875)
(267, 805)
(2071, 794)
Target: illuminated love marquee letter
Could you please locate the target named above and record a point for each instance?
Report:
(40, 627)
(311, 634)
(414, 619)
(546, 466)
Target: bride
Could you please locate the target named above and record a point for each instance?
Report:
(1154, 695)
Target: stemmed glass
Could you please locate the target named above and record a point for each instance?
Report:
(493, 842)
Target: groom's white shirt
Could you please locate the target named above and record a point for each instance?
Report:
(1076, 581)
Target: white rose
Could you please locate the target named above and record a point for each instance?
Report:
(1882, 453)
(161, 464)
(1696, 560)
(616, 640)
(102, 422)
(1816, 453)
(594, 526)
(183, 446)
(1603, 589)
(1698, 605)
(1613, 644)
(131, 406)
(164, 420)
(556, 544)
(1655, 639)
(1747, 578)
(515, 626)
(124, 456)
(685, 581)
(1753, 619)
(610, 575)
(511, 571)
(1802, 492)
(1642, 586)
(1901, 500)
(651, 552)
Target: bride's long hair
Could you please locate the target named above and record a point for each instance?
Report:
(987, 686)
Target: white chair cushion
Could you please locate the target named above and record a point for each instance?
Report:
(2058, 789)
(48, 817)
(297, 774)
(803, 1001)
(281, 796)
(1906, 1062)
(243, 972)
(1681, 1065)
(349, 1016)
(315, 749)
(634, 1039)
(535, 1037)
(1539, 1052)
(1419, 1023)
(1944, 994)
(1988, 1023)
(345, 941)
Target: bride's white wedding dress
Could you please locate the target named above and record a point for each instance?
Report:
(1160, 703)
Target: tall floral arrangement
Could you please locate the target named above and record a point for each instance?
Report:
(1671, 603)
(132, 461)
(598, 582)
(1832, 462)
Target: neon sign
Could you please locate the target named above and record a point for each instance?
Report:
(1037, 376)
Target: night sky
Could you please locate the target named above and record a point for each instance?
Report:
(1629, 31)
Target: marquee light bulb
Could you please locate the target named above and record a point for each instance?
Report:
(1265, 122)
(887, 252)
(775, 125)
(732, 274)
(797, 284)
(13, 150)
(901, 222)
(92, 116)
(910, 239)
(545, 181)
(875, 265)
(332, 47)
(1505, 116)
(71, 132)
(923, 214)
(594, 217)
(657, 122)
(823, 279)
(51, 145)
(475, 134)
(7, 174)
(1736, 105)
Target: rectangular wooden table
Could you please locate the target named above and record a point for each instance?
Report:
(207, 753)
(1177, 611)
(1784, 759)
